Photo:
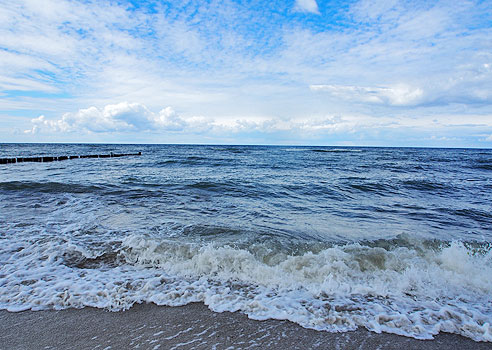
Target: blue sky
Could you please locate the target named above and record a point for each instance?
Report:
(380, 73)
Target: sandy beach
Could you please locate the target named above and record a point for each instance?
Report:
(194, 326)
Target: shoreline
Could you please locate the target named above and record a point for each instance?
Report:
(193, 326)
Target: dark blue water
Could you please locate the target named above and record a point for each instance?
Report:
(359, 232)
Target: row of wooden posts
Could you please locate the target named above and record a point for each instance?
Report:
(45, 159)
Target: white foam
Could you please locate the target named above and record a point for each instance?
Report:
(413, 292)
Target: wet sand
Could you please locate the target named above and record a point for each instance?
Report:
(192, 326)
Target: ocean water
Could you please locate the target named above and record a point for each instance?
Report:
(395, 240)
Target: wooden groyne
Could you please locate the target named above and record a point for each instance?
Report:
(45, 159)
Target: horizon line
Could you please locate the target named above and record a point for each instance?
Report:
(233, 145)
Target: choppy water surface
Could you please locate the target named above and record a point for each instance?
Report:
(391, 239)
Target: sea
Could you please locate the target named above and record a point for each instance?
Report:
(395, 240)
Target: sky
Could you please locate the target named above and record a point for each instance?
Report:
(300, 72)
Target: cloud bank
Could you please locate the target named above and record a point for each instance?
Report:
(121, 117)
(166, 124)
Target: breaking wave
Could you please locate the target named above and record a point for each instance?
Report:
(391, 286)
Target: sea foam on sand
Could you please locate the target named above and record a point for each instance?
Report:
(193, 326)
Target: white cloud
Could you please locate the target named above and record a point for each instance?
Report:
(112, 118)
(399, 95)
(168, 119)
(307, 6)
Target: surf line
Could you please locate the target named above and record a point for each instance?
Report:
(45, 159)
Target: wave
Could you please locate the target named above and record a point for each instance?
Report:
(380, 188)
(48, 187)
(425, 185)
(483, 166)
(398, 286)
(478, 215)
(195, 161)
(335, 150)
